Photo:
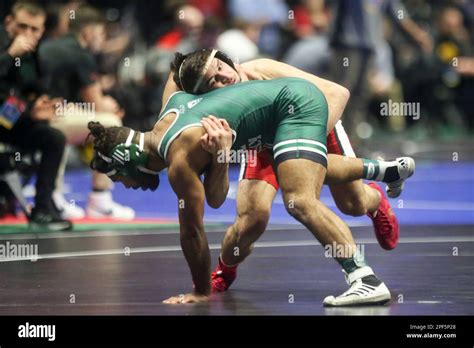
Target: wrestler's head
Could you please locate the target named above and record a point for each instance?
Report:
(119, 152)
(204, 70)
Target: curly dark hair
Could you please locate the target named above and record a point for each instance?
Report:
(190, 72)
(105, 139)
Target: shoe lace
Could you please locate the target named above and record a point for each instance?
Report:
(352, 288)
(358, 287)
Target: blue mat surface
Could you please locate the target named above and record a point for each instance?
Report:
(438, 193)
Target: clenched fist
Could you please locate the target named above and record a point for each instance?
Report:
(22, 45)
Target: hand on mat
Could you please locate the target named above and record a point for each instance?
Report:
(187, 298)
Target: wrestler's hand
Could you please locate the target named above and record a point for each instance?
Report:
(187, 298)
(218, 135)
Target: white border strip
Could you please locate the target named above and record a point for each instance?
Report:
(204, 71)
(167, 102)
(176, 111)
(307, 141)
(130, 138)
(276, 244)
(341, 135)
(303, 148)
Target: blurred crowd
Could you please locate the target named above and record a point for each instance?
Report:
(418, 51)
(141, 37)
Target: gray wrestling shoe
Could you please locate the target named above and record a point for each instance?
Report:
(365, 290)
(406, 168)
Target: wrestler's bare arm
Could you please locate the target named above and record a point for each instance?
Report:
(336, 95)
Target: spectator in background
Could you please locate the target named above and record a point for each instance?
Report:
(25, 112)
(240, 42)
(71, 73)
(189, 23)
(451, 103)
(185, 36)
(356, 31)
(210, 8)
(310, 17)
(467, 9)
(311, 52)
(57, 20)
(384, 85)
(215, 19)
(121, 64)
(452, 37)
(271, 14)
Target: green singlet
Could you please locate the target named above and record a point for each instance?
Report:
(288, 115)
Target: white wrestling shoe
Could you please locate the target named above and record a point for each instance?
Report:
(102, 205)
(406, 168)
(67, 210)
(363, 291)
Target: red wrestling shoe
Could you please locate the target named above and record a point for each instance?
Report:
(385, 222)
(223, 277)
